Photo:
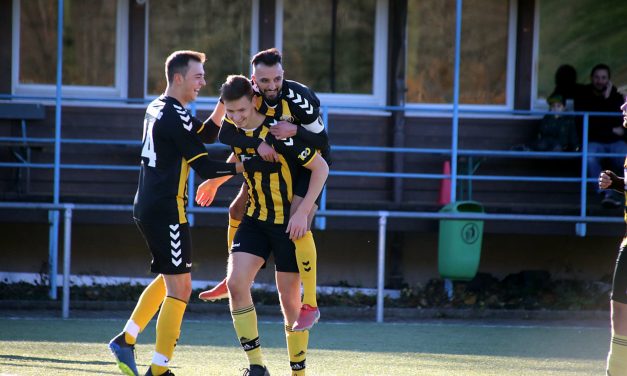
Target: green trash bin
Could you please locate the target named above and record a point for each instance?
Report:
(459, 245)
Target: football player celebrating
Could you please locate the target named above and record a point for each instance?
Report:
(172, 143)
(298, 110)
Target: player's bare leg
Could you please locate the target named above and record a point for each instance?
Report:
(236, 213)
(306, 258)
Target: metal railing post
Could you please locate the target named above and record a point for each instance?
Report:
(455, 125)
(67, 255)
(321, 222)
(53, 252)
(54, 231)
(580, 228)
(383, 220)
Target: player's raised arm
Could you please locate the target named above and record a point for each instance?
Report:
(230, 136)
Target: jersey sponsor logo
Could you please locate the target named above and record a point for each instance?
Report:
(287, 118)
(300, 101)
(188, 264)
(304, 154)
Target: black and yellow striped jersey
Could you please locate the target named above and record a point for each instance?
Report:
(172, 143)
(296, 104)
(270, 194)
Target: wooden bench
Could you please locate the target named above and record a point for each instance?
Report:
(22, 112)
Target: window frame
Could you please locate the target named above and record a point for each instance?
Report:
(438, 108)
(202, 100)
(120, 85)
(378, 96)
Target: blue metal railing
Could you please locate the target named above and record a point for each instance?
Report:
(580, 220)
(57, 166)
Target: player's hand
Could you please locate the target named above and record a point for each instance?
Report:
(606, 178)
(283, 129)
(206, 192)
(297, 226)
(267, 152)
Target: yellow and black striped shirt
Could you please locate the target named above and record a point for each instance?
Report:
(270, 194)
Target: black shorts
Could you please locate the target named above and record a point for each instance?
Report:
(619, 283)
(302, 185)
(260, 238)
(170, 245)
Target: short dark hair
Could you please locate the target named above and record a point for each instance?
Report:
(268, 57)
(178, 62)
(236, 87)
(601, 67)
(556, 98)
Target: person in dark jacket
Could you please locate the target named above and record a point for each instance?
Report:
(605, 133)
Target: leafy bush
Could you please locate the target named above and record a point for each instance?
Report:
(524, 290)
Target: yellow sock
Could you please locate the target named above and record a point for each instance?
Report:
(306, 258)
(617, 357)
(168, 331)
(297, 349)
(147, 306)
(230, 233)
(245, 323)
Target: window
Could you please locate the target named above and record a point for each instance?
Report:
(486, 38)
(582, 34)
(93, 49)
(336, 47)
(220, 29)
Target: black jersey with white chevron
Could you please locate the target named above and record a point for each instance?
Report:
(303, 104)
(171, 141)
(270, 194)
(299, 105)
